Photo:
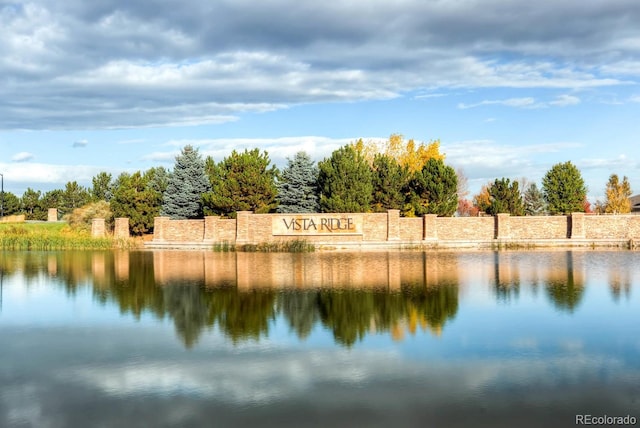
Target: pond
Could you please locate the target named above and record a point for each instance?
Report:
(375, 339)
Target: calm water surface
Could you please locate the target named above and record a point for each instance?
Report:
(199, 339)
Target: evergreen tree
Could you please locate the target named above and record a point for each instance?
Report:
(134, 197)
(344, 181)
(10, 204)
(505, 198)
(186, 185)
(298, 186)
(31, 204)
(390, 182)
(533, 200)
(241, 182)
(74, 196)
(101, 189)
(564, 189)
(434, 189)
(51, 199)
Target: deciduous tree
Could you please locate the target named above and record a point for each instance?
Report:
(564, 189)
(482, 201)
(618, 194)
(407, 153)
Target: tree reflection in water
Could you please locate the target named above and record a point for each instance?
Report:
(352, 296)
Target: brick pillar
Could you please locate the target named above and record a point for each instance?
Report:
(211, 229)
(577, 226)
(242, 226)
(97, 228)
(393, 225)
(430, 231)
(634, 227)
(394, 270)
(121, 265)
(503, 226)
(121, 229)
(159, 225)
(52, 215)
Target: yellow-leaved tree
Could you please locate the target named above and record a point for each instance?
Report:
(407, 153)
(618, 196)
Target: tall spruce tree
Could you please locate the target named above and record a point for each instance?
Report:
(187, 183)
(344, 181)
(534, 201)
(298, 186)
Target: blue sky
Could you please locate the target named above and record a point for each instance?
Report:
(509, 87)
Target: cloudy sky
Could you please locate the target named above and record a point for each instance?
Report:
(509, 87)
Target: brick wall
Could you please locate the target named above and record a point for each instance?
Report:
(389, 227)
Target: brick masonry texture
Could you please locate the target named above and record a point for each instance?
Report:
(389, 227)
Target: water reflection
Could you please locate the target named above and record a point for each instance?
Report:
(495, 339)
(350, 294)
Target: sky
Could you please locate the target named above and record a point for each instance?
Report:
(509, 87)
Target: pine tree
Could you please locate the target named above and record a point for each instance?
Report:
(187, 183)
(136, 197)
(564, 189)
(101, 189)
(534, 201)
(298, 186)
(389, 184)
(344, 181)
(241, 182)
(505, 198)
(434, 189)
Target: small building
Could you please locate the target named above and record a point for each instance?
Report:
(635, 204)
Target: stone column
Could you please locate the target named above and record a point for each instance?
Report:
(52, 215)
(242, 226)
(159, 225)
(577, 226)
(393, 225)
(430, 227)
(97, 228)
(503, 226)
(634, 227)
(211, 229)
(121, 229)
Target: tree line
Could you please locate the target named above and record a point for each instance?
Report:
(358, 177)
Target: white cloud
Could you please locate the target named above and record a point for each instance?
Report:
(121, 65)
(279, 149)
(565, 100)
(527, 102)
(23, 157)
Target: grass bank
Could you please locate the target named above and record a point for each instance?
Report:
(53, 236)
